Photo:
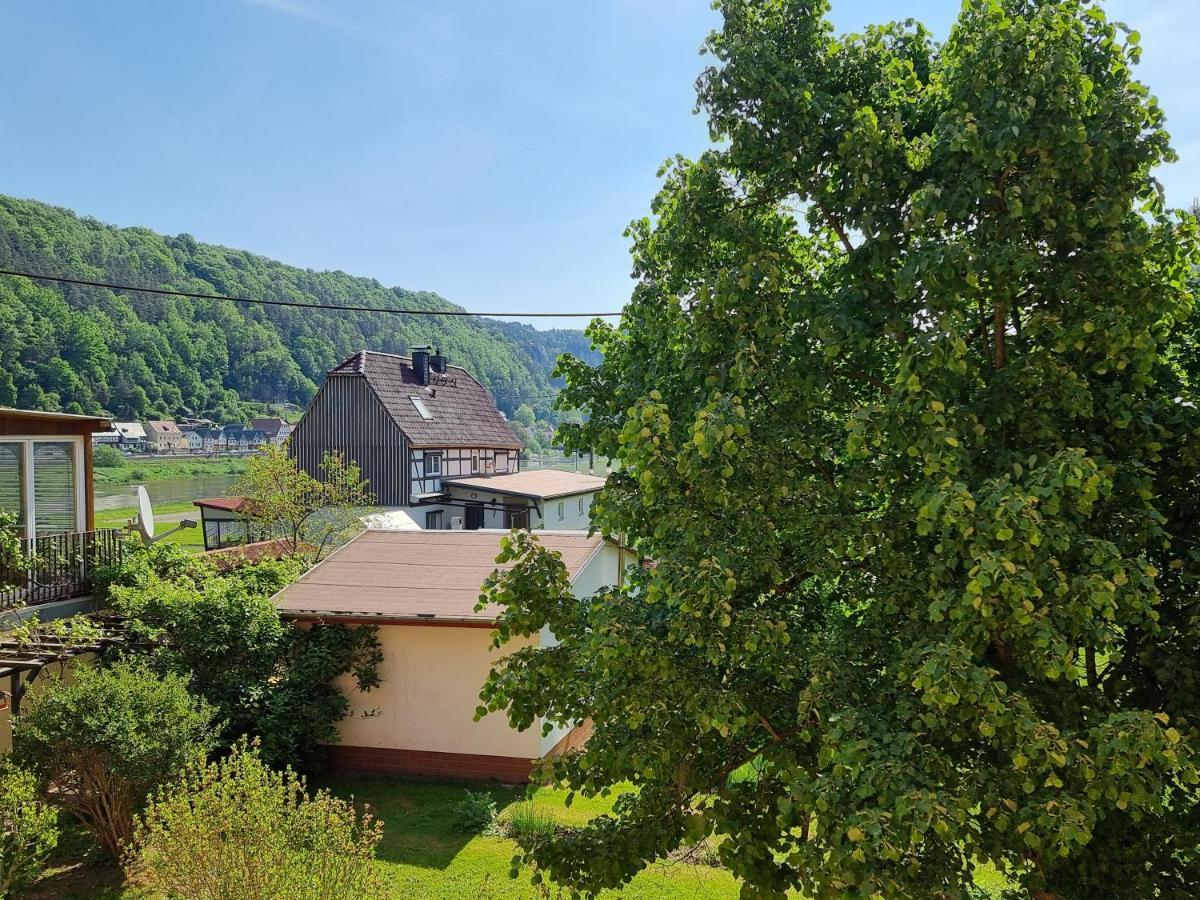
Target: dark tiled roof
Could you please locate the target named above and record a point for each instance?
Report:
(269, 426)
(462, 413)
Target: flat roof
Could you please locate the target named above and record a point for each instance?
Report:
(103, 423)
(539, 484)
(416, 575)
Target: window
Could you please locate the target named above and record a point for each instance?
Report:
(54, 487)
(581, 505)
(433, 520)
(12, 480)
(562, 510)
(433, 464)
(474, 462)
(421, 407)
(40, 483)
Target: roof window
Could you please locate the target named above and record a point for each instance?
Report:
(421, 407)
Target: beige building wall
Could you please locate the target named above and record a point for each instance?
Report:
(50, 673)
(430, 682)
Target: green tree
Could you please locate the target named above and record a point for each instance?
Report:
(902, 415)
(108, 456)
(313, 516)
(28, 830)
(525, 415)
(107, 738)
(236, 829)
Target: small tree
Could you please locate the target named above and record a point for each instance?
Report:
(28, 830)
(108, 457)
(107, 738)
(237, 830)
(311, 515)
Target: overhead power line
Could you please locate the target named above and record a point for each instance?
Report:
(395, 311)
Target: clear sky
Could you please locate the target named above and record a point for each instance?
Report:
(492, 152)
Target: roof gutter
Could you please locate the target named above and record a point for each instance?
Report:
(365, 618)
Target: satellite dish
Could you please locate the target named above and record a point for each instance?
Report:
(145, 515)
(145, 520)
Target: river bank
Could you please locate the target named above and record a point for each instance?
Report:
(143, 470)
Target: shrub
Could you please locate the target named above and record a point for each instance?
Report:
(475, 813)
(107, 457)
(237, 830)
(109, 737)
(28, 830)
(529, 824)
(222, 631)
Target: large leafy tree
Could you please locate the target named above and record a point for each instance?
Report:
(902, 417)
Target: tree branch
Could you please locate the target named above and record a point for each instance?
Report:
(836, 224)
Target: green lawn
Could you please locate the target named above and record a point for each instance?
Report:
(424, 856)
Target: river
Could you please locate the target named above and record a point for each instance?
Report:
(165, 490)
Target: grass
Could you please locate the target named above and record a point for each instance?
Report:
(191, 538)
(148, 469)
(423, 855)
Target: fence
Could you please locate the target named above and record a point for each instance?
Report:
(62, 566)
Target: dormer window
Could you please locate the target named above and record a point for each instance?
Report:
(421, 407)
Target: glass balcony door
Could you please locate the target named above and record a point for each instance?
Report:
(41, 484)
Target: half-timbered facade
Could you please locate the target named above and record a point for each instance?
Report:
(408, 422)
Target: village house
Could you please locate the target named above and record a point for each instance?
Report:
(132, 436)
(240, 439)
(195, 443)
(534, 498)
(275, 430)
(410, 423)
(421, 588)
(164, 436)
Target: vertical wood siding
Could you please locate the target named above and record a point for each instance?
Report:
(346, 416)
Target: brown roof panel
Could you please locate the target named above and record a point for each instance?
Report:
(415, 574)
(541, 484)
(462, 412)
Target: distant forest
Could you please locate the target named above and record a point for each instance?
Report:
(137, 356)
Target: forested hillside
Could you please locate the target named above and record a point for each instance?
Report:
(83, 349)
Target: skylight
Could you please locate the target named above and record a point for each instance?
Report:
(421, 407)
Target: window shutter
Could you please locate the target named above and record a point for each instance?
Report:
(12, 494)
(54, 487)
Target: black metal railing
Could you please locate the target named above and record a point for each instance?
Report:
(61, 566)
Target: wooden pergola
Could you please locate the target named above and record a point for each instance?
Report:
(28, 658)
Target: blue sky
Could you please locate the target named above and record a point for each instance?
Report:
(492, 152)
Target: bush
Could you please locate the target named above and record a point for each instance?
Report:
(222, 631)
(529, 824)
(237, 830)
(108, 738)
(475, 813)
(108, 457)
(28, 830)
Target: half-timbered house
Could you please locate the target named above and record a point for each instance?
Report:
(408, 422)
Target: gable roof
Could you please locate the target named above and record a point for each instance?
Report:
(163, 426)
(131, 430)
(539, 484)
(461, 412)
(416, 575)
(269, 426)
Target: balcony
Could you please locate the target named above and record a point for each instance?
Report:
(64, 568)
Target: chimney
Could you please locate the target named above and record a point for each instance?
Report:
(420, 362)
(438, 362)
